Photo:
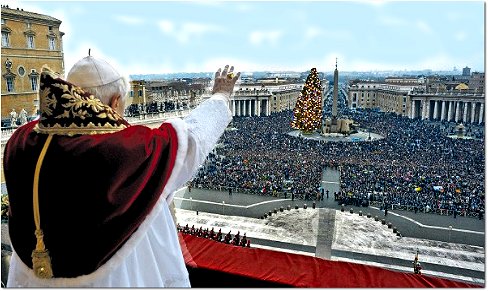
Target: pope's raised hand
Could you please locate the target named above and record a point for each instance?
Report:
(225, 80)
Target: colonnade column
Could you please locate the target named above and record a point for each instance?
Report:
(424, 109)
(465, 113)
(480, 119)
(234, 107)
(449, 112)
(458, 111)
(412, 108)
(443, 111)
(473, 111)
(436, 108)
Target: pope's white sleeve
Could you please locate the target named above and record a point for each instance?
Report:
(197, 135)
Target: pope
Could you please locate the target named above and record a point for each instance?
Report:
(89, 193)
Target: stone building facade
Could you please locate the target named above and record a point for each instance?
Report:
(456, 107)
(262, 100)
(387, 97)
(29, 41)
(420, 100)
(165, 95)
(477, 83)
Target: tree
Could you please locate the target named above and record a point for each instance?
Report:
(307, 115)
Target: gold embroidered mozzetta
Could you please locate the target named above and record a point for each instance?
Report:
(67, 109)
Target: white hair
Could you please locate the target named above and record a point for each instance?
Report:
(106, 92)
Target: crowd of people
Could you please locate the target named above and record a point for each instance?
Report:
(153, 107)
(237, 240)
(416, 166)
(260, 158)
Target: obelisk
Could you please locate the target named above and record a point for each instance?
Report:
(334, 101)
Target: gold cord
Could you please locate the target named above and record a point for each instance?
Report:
(41, 261)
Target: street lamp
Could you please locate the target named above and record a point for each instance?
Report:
(191, 204)
(223, 204)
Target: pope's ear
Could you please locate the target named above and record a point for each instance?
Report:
(114, 102)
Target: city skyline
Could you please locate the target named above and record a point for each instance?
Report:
(160, 37)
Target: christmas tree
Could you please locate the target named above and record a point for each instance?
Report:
(307, 115)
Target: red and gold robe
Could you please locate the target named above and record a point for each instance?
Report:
(104, 190)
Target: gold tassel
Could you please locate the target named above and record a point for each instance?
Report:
(41, 261)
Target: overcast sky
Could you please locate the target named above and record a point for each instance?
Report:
(195, 36)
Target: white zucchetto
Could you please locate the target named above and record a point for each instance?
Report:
(92, 72)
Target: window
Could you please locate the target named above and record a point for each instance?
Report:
(33, 80)
(34, 77)
(30, 41)
(28, 25)
(140, 93)
(3, 21)
(52, 43)
(10, 84)
(21, 71)
(5, 39)
(131, 93)
(50, 28)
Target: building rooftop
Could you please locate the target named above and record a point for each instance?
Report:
(6, 12)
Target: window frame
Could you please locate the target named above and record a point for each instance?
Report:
(52, 43)
(30, 41)
(34, 80)
(34, 83)
(6, 39)
(23, 69)
(9, 84)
